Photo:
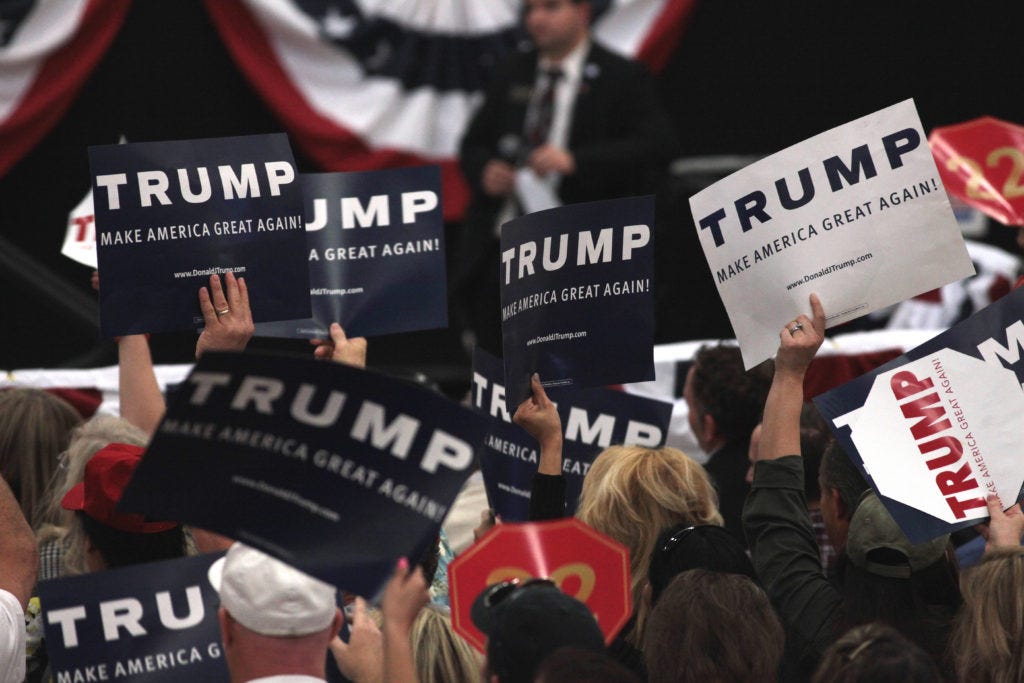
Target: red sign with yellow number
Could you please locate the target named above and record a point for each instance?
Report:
(582, 562)
(982, 163)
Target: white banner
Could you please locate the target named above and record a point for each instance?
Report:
(857, 215)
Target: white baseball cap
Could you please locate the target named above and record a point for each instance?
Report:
(269, 597)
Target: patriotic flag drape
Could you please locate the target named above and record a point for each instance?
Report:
(48, 48)
(357, 84)
(363, 84)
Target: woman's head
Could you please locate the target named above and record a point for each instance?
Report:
(86, 439)
(631, 494)
(685, 547)
(988, 636)
(35, 428)
(712, 626)
(441, 655)
(876, 653)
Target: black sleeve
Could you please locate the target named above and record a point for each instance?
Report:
(547, 497)
(785, 556)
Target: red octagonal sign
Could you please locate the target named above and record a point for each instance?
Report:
(982, 163)
(585, 564)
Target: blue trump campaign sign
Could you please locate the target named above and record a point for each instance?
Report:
(576, 299)
(171, 214)
(151, 622)
(335, 470)
(376, 253)
(937, 430)
(592, 420)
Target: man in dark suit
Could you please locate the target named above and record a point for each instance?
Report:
(587, 122)
(725, 404)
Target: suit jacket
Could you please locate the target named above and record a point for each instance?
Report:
(727, 468)
(619, 134)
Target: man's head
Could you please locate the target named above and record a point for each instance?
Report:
(841, 487)
(877, 545)
(274, 619)
(556, 26)
(724, 401)
(524, 623)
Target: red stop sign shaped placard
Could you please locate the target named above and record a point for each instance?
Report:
(982, 163)
(585, 564)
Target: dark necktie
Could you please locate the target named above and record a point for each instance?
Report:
(538, 121)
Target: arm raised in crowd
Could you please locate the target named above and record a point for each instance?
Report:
(226, 315)
(539, 417)
(798, 342)
(139, 397)
(775, 517)
(141, 402)
(405, 595)
(372, 656)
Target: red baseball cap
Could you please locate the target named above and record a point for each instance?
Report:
(106, 475)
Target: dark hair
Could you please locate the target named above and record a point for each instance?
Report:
(695, 547)
(122, 548)
(875, 653)
(839, 472)
(725, 391)
(710, 626)
(815, 437)
(576, 665)
(430, 559)
(921, 608)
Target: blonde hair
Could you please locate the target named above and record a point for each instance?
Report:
(88, 438)
(632, 493)
(988, 635)
(441, 655)
(35, 426)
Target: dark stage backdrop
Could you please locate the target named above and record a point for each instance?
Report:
(747, 79)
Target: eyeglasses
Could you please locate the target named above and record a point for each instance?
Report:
(676, 538)
(502, 591)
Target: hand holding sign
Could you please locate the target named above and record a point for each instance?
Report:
(1004, 529)
(937, 428)
(226, 314)
(362, 657)
(405, 595)
(340, 349)
(800, 340)
(539, 417)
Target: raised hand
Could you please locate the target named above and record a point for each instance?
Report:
(340, 348)
(361, 659)
(226, 314)
(800, 340)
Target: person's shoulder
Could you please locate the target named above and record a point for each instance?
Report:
(607, 58)
(520, 60)
(10, 606)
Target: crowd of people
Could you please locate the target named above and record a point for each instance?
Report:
(710, 604)
(772, 561)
